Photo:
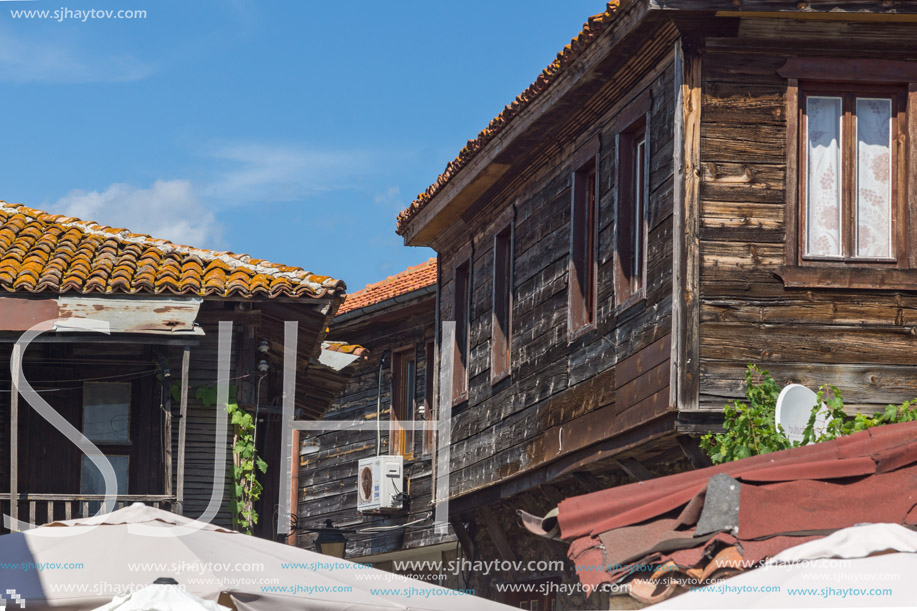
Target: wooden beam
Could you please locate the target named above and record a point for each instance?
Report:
(691, 448)
(498, 538)
(16, 361)
(847, 9)
(552, 494)
(182, 432)
(635, 469)
(589, 481)
(87, 338)
(461, 533)
(167, 438)
(685, 361)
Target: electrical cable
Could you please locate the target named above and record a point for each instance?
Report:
(379, 405)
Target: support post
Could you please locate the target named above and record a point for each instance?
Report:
(182, 432)
(16, 363)
(167, 439)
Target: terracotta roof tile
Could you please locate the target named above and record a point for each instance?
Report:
(590, 32)
(411, 279)
(41, 252)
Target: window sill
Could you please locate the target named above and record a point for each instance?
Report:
(858, 278)
(496, 379)
(634, 300)
(575, 334)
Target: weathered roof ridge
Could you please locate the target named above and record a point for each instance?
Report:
(593, 27)
(243, 275)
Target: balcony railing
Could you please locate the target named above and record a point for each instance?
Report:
(43, 508)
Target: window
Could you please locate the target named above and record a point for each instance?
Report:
(501, 325)
(106, 422)
(429, 372)
(106, 412)
(583, 213)
(461, 310)
(404, 380)
(91, 480)
(630, 218)
(848, 174)
(848, 156)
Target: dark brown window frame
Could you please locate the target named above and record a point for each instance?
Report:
(403, 409)
(501, 339)
(812, 74)
(461, 303)
(582, 289)
(633, 126)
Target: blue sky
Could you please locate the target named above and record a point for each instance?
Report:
(291, 131)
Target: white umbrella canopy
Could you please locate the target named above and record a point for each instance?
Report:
(868, 566)
(161, 597)
(84, 565)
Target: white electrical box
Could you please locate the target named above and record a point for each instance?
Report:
(380, 483)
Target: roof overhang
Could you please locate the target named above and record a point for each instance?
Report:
(141, 315)
(501, 154)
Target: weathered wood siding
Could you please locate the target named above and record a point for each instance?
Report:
(859, 340)
(328, 479)
(564, 395)
(201, 436)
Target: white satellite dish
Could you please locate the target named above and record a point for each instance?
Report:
(794, 407)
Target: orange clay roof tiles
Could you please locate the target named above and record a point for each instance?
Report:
(411, 279)
(46, 252)
(590, 32)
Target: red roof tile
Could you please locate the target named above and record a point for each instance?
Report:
(42, 252)
(411, 279)
(590, 32)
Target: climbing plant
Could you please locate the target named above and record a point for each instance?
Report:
(750, 429)
(246, 463)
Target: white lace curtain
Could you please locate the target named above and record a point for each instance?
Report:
(824, 222)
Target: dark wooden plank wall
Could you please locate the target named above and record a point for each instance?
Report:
(328, 478)
(862, 341)
(512, 426)
(201, 427)
(48, 462)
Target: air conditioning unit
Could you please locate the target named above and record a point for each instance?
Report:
(380, 483)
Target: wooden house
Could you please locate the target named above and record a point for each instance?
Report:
(691, 186)
(394, 320)
(130, 336)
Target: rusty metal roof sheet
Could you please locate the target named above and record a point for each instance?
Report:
(784, 499)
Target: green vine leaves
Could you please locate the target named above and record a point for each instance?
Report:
(750, 429)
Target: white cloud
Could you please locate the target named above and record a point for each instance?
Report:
(270, 173)
(55, 62)
(390, 199)
(168, 209)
